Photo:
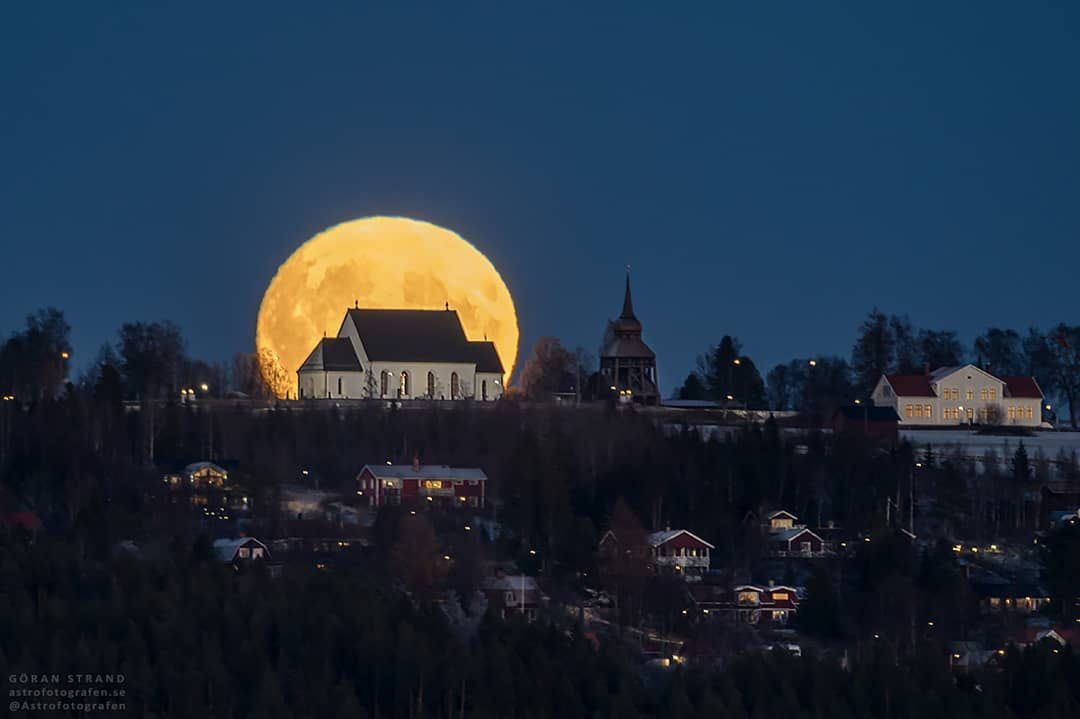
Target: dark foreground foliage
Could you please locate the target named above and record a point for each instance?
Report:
(196, 639)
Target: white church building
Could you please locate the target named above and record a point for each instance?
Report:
(401, 354)
(960, 395)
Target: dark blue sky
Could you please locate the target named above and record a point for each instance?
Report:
(770, 172)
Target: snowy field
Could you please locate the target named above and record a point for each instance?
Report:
(1045, 444)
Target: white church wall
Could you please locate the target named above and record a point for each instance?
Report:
(318, 384)
(418, 372)
(494, 386)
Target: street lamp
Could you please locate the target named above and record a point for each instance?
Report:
(812, 363)
(64, 355)
(204, 387)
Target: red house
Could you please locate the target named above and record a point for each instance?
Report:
(796, 542)
(680, 551)
(674, 550)
(752, 604)
(401, 484)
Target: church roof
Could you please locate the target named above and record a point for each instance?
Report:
(412, 335)
(628, 347)
(338, 354)
(487, 359)
(334, 354)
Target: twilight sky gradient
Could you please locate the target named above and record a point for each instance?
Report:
(770, 171)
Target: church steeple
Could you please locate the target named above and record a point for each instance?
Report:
(627, 303)
(627, 324)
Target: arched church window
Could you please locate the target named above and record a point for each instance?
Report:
(339, 386)
(403, 385)
(453, 385)
(384, 383)
(483, 390)
(431, 385)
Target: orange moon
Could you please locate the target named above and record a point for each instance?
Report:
(382, 263)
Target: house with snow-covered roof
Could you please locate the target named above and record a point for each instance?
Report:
(380, 485)
(241, 549)
(679, 551)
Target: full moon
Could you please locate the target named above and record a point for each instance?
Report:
(380, 263)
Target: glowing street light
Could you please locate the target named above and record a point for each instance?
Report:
(812, 363)
(65, 355)
(532, 552)
(736, 361)
(204, 387)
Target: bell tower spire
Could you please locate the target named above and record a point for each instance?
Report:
(628, 303)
